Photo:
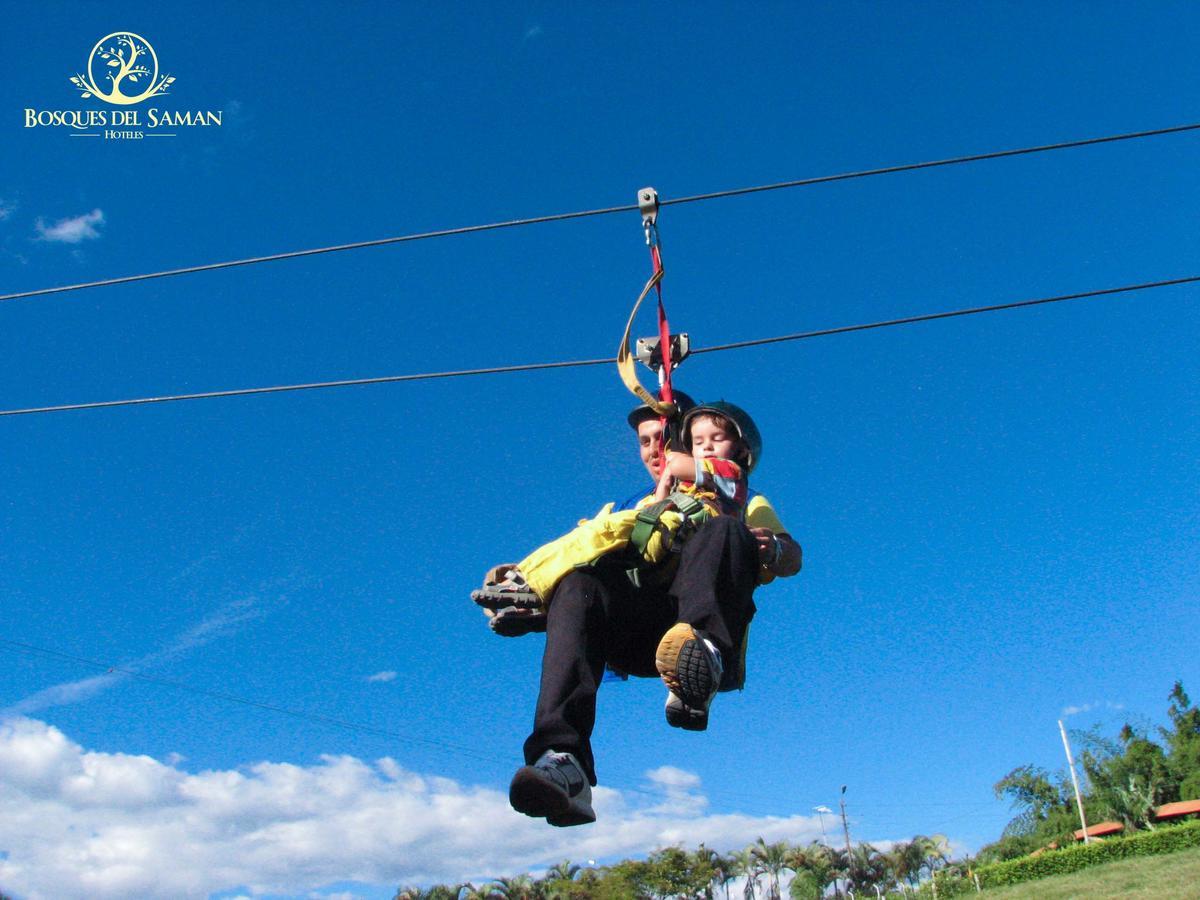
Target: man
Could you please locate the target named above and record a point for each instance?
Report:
(687, 625)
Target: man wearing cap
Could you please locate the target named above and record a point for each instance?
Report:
(598, 616)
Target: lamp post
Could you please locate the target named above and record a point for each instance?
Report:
(820, 811)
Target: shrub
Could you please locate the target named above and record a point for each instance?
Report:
(1164, 839)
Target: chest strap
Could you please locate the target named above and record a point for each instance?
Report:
(693, 511)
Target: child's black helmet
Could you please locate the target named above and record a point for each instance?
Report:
(741, 420)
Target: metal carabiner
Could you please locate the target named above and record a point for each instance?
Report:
(648, 206)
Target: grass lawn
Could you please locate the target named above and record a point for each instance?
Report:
(1172, 875)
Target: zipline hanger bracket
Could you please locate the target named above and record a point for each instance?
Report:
(649, 352)
(648, 206)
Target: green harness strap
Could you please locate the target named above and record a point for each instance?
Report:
(693, 511)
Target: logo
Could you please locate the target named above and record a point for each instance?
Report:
(118, 59)
(122, 71)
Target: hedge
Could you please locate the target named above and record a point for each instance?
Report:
(1164, 839)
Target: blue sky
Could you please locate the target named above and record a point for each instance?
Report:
(998, 512)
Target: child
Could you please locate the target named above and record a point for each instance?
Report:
(723, 444)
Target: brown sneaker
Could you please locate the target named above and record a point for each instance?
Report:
(691, 667)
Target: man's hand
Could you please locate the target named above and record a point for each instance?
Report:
(782, 558)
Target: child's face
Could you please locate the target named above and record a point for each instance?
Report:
(710, 440)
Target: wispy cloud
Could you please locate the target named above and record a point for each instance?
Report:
(73, 230)
(6, 209)
(1089, 707)
(81, 822)
(534, 31)
(382, 676)
(225, 620)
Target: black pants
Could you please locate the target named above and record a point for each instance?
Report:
(597, 616)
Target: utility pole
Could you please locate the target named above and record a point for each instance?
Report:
(1075, 782)
(845, 827)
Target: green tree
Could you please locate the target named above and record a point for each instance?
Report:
(746, 866)
(1045, 810)
(565, 870)
(866, 867)
(610, 883)
(519, 887)
(814, 868)
(771, 860)
(935, 850)
(905, 861)
(709, 860)
(724, 871)
(1129, 777)
(1183, 745)
(676, 873)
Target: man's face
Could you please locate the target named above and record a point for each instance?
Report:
(649, 434)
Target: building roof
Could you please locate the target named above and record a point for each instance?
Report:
(1099, 830)
(1179, 808)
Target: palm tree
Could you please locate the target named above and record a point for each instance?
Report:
(519, 887)
(816, 861)
(935, 851)
(745, 864)
(705, 860)
(565, 871)
(903, 863)
(866, 866)
(724, 871)
(771, 860)
(839, 867)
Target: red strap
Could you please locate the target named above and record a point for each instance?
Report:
(666, 394)
(664, 331)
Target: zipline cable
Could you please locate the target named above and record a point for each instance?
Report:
(560, 217)
(528, 367)
(318, 718)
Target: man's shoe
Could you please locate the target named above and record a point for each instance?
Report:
(680, 715)
(691, 667)
(555, 788)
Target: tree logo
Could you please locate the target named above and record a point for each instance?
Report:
(118, 60)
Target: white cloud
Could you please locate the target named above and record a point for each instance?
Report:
(382, 676)
(534, 31)
(73, 230)
(671, 777)
(80, 823)
(6, 209)
(1088, 707)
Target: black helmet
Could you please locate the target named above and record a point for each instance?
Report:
(640, 414)
(741, 420)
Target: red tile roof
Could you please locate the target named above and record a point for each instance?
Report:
(1179, 808)
(1099, 830)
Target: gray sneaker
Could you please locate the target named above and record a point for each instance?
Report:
(555, 788)
(690, 665)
